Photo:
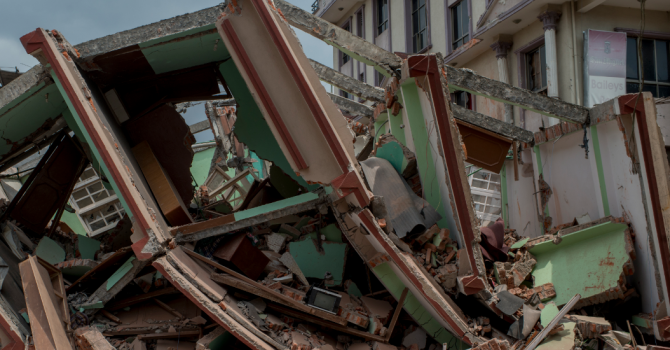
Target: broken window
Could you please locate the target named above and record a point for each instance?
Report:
(459, 24)
(654, 68)
(382, 16)
(485, 188)
(462, 98)
(344, 57)
(98, 208)
(536, 68)
(419, 25)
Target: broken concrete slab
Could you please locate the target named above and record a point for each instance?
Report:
(592, 261)
(353, 108)
(347, 83)
(352, 45)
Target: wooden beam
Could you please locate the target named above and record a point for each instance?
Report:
(140, 298)
(110, 316)
(170, 335)
(167, 308)
(242, 282)
(396, 313)
(318, 321)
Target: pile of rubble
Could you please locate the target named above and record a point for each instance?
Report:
(310, 221)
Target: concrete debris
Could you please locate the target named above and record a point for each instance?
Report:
(309, 220)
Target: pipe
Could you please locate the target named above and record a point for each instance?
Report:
(575, 91)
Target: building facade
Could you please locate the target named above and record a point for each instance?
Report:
(533, 44)
(538, 45)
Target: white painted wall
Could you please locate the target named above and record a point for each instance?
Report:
(625, 198)
(569, 174)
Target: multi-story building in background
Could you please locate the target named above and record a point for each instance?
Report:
(538, 45)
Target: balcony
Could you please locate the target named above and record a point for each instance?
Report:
(332, 10)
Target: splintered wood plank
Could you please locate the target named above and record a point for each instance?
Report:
(316, 320)
(47, 322)
(394, 319)
(140, 298)
(243, 282)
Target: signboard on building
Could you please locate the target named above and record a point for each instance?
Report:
(604, 66)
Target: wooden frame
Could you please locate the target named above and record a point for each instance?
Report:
(230, 185)
(242, 282)
(46, 304)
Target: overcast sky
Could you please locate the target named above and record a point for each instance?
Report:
(80, 21)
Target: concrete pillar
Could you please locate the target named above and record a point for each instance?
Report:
(549, 17)
(501, 45)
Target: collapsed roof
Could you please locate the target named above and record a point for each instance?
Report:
(329, 190)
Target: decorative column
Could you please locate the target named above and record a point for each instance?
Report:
(502, 45)
(549, 17)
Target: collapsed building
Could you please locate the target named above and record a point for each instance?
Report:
(313, 221)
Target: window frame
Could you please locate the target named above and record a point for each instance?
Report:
(648, 82)
(526, 63)
(521, 53)
(487, 194)
(409, 28)
(341, 55)
(81, 212)
(360, 32)
(470, 102)
(375, 17)
(450, 22)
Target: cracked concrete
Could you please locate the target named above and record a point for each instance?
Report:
(352, 107)
(354, 46)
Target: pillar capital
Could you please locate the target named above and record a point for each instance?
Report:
(501, 47)
(549, 16)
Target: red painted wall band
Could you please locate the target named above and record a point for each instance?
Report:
(263, 95)
(409, 274)
(303, 85)
(627, 105)
(36, 40)
(427, 65)
(161, 269)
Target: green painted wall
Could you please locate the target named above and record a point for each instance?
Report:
(306, 197)
(424, 157)
(415, 309)
(27, 113)
(394, 154)
(314, 264)
(395, 121)
(200, 165)
(587, 262)
(72, 220)
(185, 53)
(250, 126)
(74, 122)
